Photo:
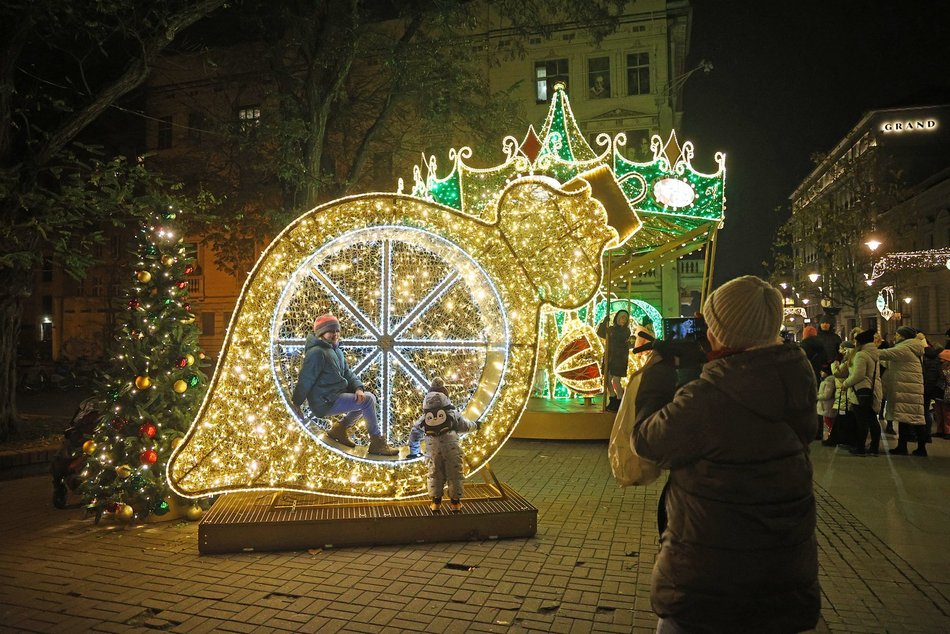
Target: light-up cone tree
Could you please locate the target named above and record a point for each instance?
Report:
(154, 385)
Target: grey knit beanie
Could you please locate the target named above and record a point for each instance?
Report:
(744, 313)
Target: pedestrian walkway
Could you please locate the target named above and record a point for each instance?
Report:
(882, 533)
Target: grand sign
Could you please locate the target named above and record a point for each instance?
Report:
(913, 125)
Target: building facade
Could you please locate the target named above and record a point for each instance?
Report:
(630, 82)
(871, 220)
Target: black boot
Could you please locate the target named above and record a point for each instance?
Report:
(613, 405)
(889, 429)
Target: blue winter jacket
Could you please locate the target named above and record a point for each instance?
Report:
(323, 377)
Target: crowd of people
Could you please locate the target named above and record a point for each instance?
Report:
(866, 381)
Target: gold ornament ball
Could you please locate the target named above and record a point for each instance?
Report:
(189, 320)
(144, 277)
(143, 382)
(194, 513)
(177, 442)
(89, 447)
(190, 358)
(168, 260)
(180, 386)
(124, 513)
(123, 471)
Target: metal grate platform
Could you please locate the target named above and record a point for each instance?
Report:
(290, 521)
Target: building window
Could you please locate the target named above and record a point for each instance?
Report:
(546, 74)
(638, 73)
(638, 146)
(598, 77)
(95, 289)
(249, 117)
(47, 271)
(196, 125)
(165, 133)
(207, 324)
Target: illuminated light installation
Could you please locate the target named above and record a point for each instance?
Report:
(578, 357)
(910, 260)
(681, 208)
(473, 310)
(885, 298)
(451, 280)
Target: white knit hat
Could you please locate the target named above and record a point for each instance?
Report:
(744, 313)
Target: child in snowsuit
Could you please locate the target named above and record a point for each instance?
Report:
(826, 399)
(440, 423)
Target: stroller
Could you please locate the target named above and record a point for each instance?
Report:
(70, 460)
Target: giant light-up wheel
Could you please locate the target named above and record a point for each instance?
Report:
(412, 306)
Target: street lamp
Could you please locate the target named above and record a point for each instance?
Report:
(813, 277)
(872, 243)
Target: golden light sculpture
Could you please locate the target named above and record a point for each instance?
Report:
(470, 312)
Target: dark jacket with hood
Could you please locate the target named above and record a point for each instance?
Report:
(323, 377)
(739, 552)
(618, 344)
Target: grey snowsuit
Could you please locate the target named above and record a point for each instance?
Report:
(440, 424)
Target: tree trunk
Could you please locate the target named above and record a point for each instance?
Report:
(11, 312)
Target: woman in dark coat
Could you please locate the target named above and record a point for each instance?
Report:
(738, 553)
(618, 353)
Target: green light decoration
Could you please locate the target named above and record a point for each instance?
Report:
(680, 207)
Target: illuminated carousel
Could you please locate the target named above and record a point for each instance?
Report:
(477, 277)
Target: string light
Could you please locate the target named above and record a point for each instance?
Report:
(910, 260)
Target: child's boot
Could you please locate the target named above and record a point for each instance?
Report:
(455, 505)
(436, 505)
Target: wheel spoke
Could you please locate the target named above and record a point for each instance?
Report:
(344, 300)
(440, 289)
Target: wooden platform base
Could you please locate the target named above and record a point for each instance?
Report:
(268, 521)
(553, 419)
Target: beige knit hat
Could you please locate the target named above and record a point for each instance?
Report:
(744, 313)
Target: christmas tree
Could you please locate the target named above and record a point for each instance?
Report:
(154, 386)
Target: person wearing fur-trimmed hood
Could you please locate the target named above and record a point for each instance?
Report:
(441, 424)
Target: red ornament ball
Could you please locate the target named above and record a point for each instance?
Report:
(189, 270)
(148, 456)
(149, 429)
(183, 362)
(118, 423)
(135, 304)
(183, 284)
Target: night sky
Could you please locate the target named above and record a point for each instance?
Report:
(791, 79)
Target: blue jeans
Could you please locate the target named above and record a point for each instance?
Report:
(346, 402)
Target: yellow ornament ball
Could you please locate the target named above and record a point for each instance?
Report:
(168, 260)
(190, 359)
(89, 447)
(124, 513)
(144, 277)
(123, 471)
(180, 386)
(194, 513)
(177, 442)
(143, 382)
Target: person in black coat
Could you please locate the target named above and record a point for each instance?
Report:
(618, 353)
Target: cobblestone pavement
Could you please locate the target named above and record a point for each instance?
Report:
(587, 570)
